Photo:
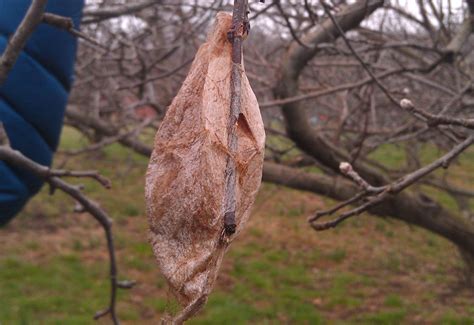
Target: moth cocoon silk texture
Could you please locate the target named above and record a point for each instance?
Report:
(185, 180)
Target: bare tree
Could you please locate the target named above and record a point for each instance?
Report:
(335, 81)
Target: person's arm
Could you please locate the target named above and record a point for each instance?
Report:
(34, 96)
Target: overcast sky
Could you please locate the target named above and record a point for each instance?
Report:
(130, 23)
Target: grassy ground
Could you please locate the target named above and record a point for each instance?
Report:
(53, 263)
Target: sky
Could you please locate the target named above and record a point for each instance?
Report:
(129, 22)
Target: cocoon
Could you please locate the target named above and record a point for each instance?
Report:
(186, 174)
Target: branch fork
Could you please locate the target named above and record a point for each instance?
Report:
(371, 195)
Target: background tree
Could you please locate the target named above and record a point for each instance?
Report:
(326, 99)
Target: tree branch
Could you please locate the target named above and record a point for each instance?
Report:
(239, 30)
(372, 196)
(18, 41)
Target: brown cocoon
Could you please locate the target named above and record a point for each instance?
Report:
(186, 175)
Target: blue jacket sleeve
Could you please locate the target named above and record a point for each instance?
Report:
(34, 96)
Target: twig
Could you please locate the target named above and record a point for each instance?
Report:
(357, 56)
(161, 76)
(346, 169)
(236, 35)
(373, 76)
(372, 196)
(364, 207)
(67, 24)
(95, 15)
(336, 208)
(18, 41)
(288, 24)
(78, 174)
(443, 161)
(335, 89)
(458, 96)
(108, 129)
(112, 139)
(434, 120)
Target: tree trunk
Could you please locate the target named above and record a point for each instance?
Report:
(468, 259)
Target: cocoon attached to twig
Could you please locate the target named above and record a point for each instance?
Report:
(186, 175)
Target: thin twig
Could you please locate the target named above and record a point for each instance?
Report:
(288, 24)
(443, 161)
(161, 76)
(337, 207)
(67, 24)
(18, 40)
(357, 56)
(96, 15)
(80, 174)
(347, 170)
(431, 119)
(364, 207)
(375, 195)
(110, 140)
(436, 119)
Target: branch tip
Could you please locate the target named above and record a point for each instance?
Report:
(345, 167)
(405, 103)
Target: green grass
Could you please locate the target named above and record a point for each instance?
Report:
(385, 318)
(393, 300)
(337, 255)
(48, 292)
(392, 156)
(278, 271)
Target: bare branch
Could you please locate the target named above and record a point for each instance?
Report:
(18, 40)
(383, 192)
(434, 120)
(67, 24)
(239, 30)
(95, 15)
